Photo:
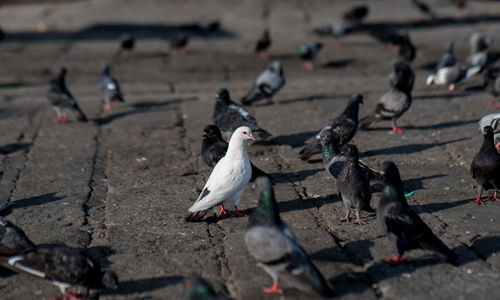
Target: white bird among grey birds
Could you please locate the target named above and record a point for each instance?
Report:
(228, 180)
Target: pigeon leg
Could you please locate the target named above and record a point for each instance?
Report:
(107, 106)
(346, 218)
(114, 103)
(493, 101)
(451, 88)
(497, 146)
(64, 118)
(72, 296)
(495, 197)
(237, 213)
(59, 115)
(263, 55)
(396, 129)
(223, 211)
(478, 200)
(358, 220)
(394, 260)
(273, 290)
(307, 66)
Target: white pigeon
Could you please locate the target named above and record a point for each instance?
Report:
(228, 180)
(492, 120)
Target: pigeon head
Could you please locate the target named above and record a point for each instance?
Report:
(195, 288)
(357, 98)
(267, 210)
(243, 133)
(488, 130)
(109, 280)
(351, 151)
(106, 69)
(212, 131)
(276, 67)
(223, 97)
(325, 137)
(390, 173)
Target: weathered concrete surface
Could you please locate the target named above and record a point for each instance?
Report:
(121, 184)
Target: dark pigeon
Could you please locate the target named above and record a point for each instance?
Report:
(395, 217)
(396, 101)
(65, 267)
(109, 88)
(263, 44)
(485, 167)
(213, 148)
(343, 129)
(272, 243)
(61, 99)
(127, 44)
(356, 14)
(308, 53)
(228, 116)
(13, 240)
(269, 82)
(196, 288)
(178, 45)
(353, 185)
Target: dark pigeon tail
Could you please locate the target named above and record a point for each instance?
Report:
(366, 122)
(309, 150)
(196, 216)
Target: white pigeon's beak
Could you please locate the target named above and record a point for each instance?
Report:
(251, 137)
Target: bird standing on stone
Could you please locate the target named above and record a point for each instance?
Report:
(395, 217)
(228, 116)
(492, 120)
(343, 128)
(61, 99)
(353, 185)
(485, 167)
(13, 240)
(272, 243)
(396, 101)
(213, 148)
(492, 84)
(269, 82)
(109, 88)
(263, 44)
(308, 53)
(127, 43)
(65, 267)
(178, 45)
(228, 179)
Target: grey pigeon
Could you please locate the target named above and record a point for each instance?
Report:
(213, 148)
(308, 53)
(269, 82)
(396, 101)
(353, 185)
(276, 249)
(228, 116)
(343, 128)
(109, 88)
(228, 179)
(196, 288)
(492, 120)
(61, 99)
(334, 161)
(479, 42)
(13, 240)
(395, 217)
(65, 267)
(450, 76)
(485, 167)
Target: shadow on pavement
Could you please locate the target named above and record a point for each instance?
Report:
(409, 148)
(146, 285)
(299, 204)
(33, 201)
(415, 184)
(435, 207)
(295, 139)
(294, 176)
(11, 148)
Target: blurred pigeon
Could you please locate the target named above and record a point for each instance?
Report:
(127, 43)
(269, 82)
(333, 161)
(272, 243)
(448, 58)
(228, 180)
(406, 50)
(62, 100)
(423, 8)
(263, 44)
(353, 185)
(395, 217)
(492, 84)
(228, 116)
(477, 63)
(396, 101)
(492, 120)
(308, 52)
(213, 148)
(336, 31)
(343, 128)
(479, 42)
(13, 240)
(4, 204)
(195, 288)
(485, 167)
(448, 76)
(65, 267)
(178, 45)
(356, 14)
(109, 88)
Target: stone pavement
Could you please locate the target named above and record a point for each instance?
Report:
(121, 184)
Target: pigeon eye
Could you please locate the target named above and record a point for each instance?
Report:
(244, 132)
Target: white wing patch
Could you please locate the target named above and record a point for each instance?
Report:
(13, 260)
(111, 86)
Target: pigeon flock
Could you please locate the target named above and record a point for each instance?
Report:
(268, 239)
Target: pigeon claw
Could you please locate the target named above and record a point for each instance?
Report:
(308, 66)
(394, 260)
(397, 129)
(359, 222)
(273, 290)
(345, 219)
(107, 106)
(72, 296)
(495, 197)
(237, 213)
(478, 201)
(263, 55)
(497, 146)
(223, 211)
